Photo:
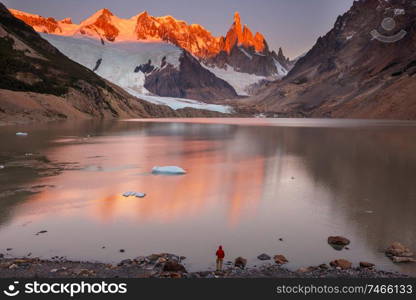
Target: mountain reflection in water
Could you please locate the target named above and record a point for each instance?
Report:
(249, 183)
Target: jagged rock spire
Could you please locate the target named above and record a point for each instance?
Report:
(238, 35)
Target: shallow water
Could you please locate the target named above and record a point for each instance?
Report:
(249, 183)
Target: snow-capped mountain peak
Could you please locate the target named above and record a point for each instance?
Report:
(241, 58)
(105, 25)
(102, 13)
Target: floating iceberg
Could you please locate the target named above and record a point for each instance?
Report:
(134, 194)
(168, 170)
(21, 133)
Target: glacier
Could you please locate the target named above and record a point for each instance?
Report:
(117, 62)
(239, 81)
(179, 103)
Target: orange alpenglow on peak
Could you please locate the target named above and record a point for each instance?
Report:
(66, 21)
(237, 18)
(144, 14)
(194, 38)
(107, 12)
(48, 25)
(238, 35)
(104, 24)
(259, 42)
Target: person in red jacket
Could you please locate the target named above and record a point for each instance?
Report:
(220, 258)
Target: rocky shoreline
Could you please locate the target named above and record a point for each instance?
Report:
(170, 266)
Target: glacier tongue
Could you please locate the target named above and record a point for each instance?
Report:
(178, 103)
(117, 63)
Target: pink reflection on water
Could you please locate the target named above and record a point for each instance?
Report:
(229, 186)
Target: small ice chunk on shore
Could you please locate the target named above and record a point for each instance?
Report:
(21, 133)
(1, 167)
(168, 170)
(134, 194)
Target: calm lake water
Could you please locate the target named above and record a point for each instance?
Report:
(249, 183)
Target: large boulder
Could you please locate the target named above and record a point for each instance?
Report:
(398, 249)
(264, 256)
(341, 263)
(280, 259)
(338, 240)
(366, 265)
(240, 262)
(174, 266)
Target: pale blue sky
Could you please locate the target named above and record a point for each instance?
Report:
(293, 25)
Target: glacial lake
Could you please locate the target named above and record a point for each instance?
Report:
(249, 183)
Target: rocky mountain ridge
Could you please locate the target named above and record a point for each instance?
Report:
(194, 38)
(363, 68)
